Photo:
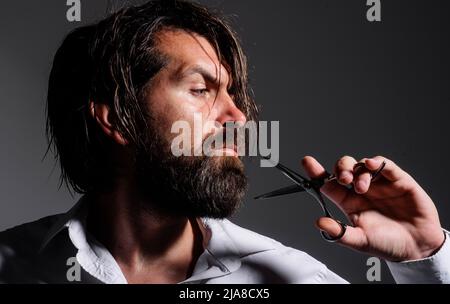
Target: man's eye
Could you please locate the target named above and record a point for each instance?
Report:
(199, 92)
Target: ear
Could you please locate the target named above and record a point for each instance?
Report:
(102, 114)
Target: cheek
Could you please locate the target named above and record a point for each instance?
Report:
(169, 106)
(198, 123)
(166, 107)
(198, 115)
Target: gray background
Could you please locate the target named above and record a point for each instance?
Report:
(337, 83)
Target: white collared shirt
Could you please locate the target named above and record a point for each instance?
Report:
(42, 251)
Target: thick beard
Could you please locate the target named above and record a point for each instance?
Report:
(191, 186)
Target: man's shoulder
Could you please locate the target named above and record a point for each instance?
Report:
(264, 259)
(252, 244)
(21, 260)
(27, 237)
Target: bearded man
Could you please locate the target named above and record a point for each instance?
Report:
(148, 216)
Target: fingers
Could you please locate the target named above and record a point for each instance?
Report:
(332, 189)
(347, 174)
(374, 163)
(344, 169)
(354, 237)
(362, 177)
(349, 171)
(391, 171)
(313, 168)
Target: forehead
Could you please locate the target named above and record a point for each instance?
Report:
(186, 49)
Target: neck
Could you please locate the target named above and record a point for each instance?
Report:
(149, 246)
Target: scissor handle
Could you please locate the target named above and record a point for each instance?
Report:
(313, 187)
(326, 236)
(334, 239)
(330, 177)
(328, 214)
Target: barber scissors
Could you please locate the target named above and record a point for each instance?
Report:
(312, 186)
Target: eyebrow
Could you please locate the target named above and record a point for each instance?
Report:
(197, 69)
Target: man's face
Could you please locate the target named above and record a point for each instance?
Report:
(192, 82)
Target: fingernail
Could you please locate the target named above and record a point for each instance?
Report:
(361, 185)
(345, 175)
(375, 160)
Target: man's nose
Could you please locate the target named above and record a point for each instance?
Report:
(229, 112)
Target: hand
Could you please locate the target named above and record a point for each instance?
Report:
(392, 215)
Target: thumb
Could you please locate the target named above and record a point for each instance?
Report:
(313, 168)
(354, 237)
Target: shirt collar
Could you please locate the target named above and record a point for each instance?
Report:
(63, 222)
(92, 256)
(221, 256)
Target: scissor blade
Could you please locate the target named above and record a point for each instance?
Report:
(283, 191)
(291, 174)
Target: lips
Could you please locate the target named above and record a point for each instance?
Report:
(228, 145)
(229, 150)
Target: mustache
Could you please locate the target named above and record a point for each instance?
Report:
(231, 137)
(226, 135)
